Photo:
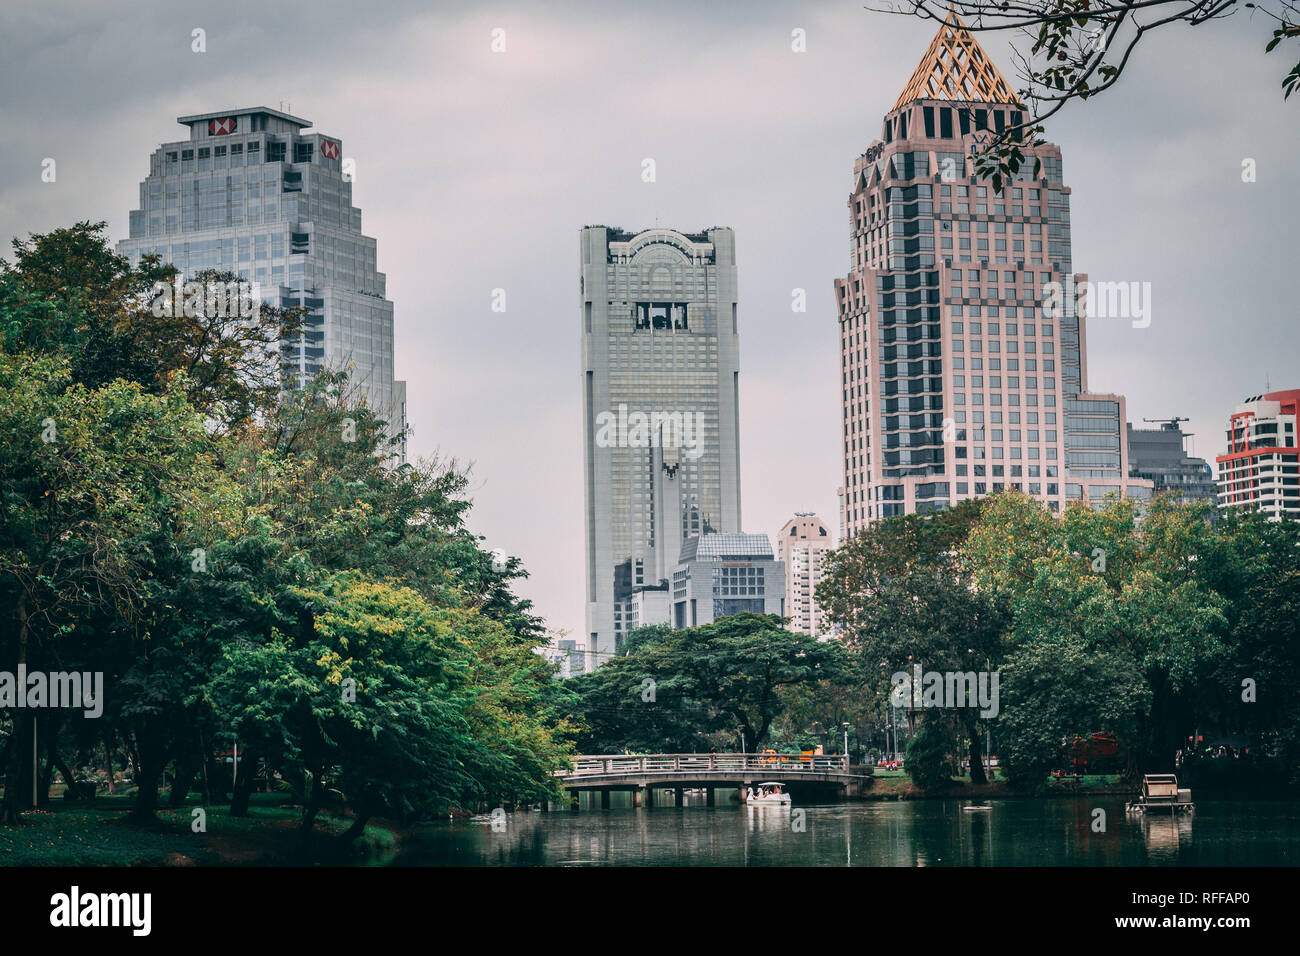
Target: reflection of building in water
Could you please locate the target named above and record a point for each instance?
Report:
(1163, 835)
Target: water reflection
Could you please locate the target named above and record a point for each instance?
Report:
(910, 833)
(1164, 834)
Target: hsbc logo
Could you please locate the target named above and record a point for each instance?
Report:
(221, 127)
(329, 149)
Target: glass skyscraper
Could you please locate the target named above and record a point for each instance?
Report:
(253, 192)
(961, 373)
(660, 380)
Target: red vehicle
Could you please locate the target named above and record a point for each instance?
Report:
(1096, 753)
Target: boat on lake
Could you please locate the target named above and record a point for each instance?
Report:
(1160, 793)
(766, 794)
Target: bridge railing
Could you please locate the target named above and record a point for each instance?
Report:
(785, 763)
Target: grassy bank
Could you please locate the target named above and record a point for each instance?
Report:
(75, 834)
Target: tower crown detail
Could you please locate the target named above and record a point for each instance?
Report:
(955, 67)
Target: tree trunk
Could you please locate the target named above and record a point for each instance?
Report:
(358, 826)
(54, 760)
(977, 775)
(146, 797)
(312, 805)
(185, 772)
(151, 756)
(18, 783)
(247, 776)
(206, 787)
(108, 760)
(18, 769)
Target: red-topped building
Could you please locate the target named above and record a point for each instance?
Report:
(1262, 466)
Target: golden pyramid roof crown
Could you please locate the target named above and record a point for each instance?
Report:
(955, 67)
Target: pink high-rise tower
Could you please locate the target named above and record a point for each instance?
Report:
(964, 370)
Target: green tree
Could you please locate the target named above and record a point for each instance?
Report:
(723, 678)
(69, 293)
(902, 597)
(929, 752)
(89, 479)
(1131, 592)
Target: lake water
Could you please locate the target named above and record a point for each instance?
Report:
(1012, 832)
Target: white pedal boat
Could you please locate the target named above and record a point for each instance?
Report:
(766, 795)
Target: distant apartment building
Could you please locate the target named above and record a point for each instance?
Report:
(660, 400)
(255, 192)
(802, 544)
(1261, 468)
(1160, 456)
(963, 355)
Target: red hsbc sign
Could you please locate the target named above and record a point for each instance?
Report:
(221, 127)
(329, 148)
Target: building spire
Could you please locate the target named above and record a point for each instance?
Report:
(955, 67)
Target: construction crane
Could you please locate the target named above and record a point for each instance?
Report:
(1169, 423)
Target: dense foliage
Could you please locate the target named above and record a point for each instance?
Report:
(247, 567)
(1149, 625)
(714, 687)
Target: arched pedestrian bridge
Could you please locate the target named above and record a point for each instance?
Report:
(644, 774)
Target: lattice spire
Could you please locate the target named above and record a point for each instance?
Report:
(955, 67)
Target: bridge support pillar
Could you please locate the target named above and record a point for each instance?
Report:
(604, 799)
(708, 796)
(680, 796)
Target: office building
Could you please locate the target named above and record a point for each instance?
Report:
(660, 384)
(256, 192)
(963, 351)
(1159, 455)
(718, 575)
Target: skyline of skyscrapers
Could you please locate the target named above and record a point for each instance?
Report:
(949, 291)
(251, 192)
(963, 366)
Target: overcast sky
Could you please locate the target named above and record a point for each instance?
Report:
(475, 171)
